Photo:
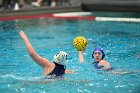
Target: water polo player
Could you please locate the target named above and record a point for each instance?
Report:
(98, 56)
(56, 68)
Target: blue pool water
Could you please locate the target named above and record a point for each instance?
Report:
(20, 74)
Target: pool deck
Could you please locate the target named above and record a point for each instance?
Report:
(77, 6)
(29, 10)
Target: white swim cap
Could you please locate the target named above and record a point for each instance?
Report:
(61, 58)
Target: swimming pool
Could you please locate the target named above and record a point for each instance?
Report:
(120, 40)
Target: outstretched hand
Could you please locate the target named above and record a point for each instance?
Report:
(23, 35)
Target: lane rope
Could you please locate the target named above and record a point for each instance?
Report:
(118, 19)
(72, 15)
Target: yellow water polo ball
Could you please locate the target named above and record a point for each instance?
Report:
(80, 43)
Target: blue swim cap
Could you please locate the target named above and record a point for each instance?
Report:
(99, 49)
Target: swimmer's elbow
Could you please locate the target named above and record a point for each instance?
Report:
(32, 53)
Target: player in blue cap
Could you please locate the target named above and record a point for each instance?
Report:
(99, 63)
(98, 56)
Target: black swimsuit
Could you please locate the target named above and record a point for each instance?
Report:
(59, 70)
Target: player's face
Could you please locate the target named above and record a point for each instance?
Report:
(97, 56)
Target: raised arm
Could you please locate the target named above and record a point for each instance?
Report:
(81, 57)
(39, 60)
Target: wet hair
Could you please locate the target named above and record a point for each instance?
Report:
(99, 49)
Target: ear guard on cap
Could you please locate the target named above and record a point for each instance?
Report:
(61, 58)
